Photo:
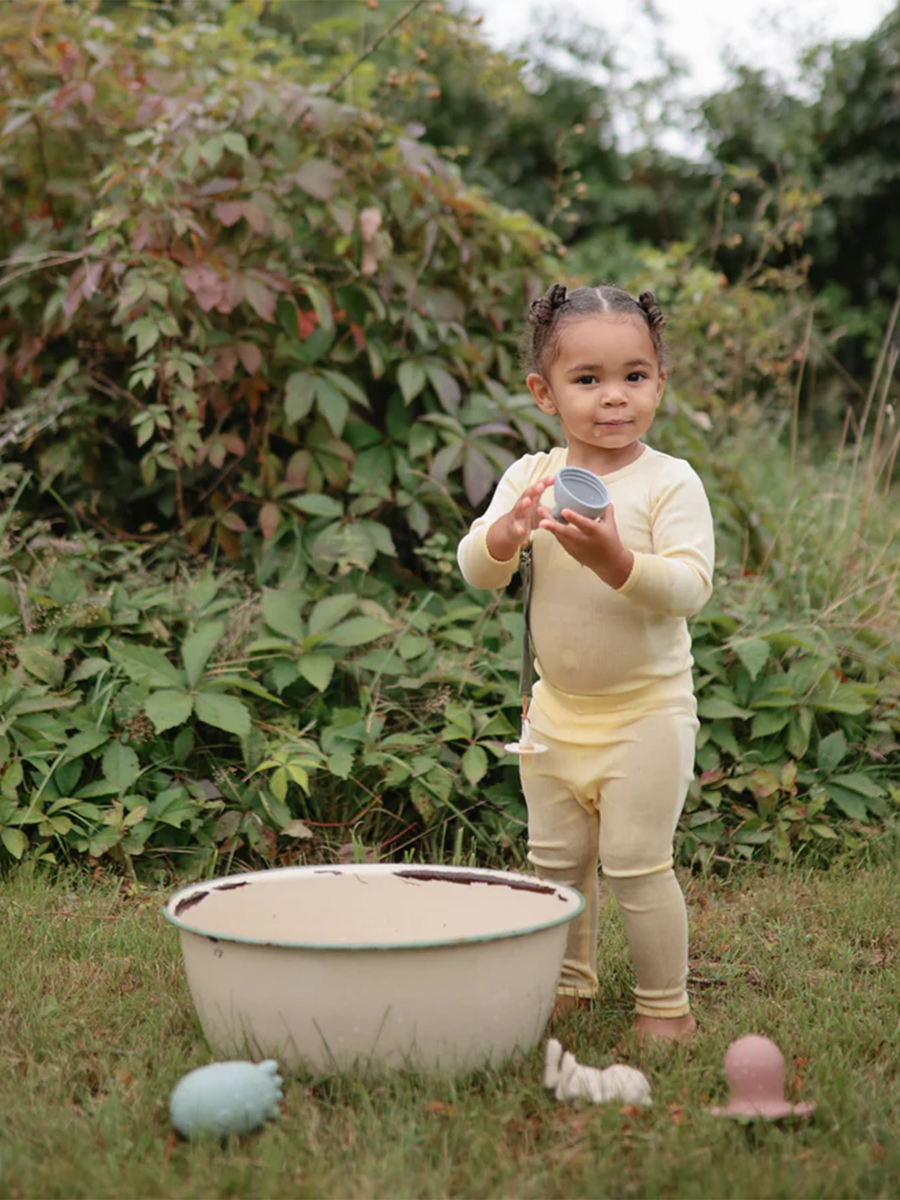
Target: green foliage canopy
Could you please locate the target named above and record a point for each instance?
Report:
(224, 287)
(243, 317)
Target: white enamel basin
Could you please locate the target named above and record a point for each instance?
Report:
(374, 965)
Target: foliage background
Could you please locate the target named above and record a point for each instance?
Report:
(258, 324)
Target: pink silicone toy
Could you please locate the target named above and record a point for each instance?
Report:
(754, 1068)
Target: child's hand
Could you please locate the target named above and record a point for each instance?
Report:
(595, 544)
(509, 533)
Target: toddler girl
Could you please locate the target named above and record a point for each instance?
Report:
(614, 703)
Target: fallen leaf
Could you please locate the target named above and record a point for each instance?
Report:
(171, 1143)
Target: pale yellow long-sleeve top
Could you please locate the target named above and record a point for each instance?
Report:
(600, 650)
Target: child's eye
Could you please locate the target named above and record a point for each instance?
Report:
(635, 376)
(586, 379)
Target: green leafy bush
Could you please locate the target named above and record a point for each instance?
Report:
(153, 711)
(226, 289)
(243, 323)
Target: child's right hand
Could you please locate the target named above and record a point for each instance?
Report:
(509, 533)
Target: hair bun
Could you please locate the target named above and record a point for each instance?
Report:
(543, 310)
(652, 312)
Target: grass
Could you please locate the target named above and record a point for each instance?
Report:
(96, 1027)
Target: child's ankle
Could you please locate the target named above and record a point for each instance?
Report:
(675, 1029)
(567, 1002)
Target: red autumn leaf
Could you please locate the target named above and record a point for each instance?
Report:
(260, 299)
(143, 234)
(64, 97)
(73, 297)
(219, 402)
(250, 355)
(92, 276)
(234, 444)
(233, 294)
(215, 187)
(254, 216)
(206, 285)
(276, 280)
(712, 776)
(269, 516)
(228, 541)
(229, 212)
(296, 469)
(306, 323)
(225, 359)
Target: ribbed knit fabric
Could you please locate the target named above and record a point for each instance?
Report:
(593, 643)
(614, 701)
(619, 797)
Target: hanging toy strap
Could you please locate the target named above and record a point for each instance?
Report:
(526, 743)
(526, 674)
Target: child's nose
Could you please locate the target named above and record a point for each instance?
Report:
(613, 394)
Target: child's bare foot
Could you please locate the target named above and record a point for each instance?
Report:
(656, 1029)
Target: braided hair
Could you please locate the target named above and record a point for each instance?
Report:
(549, 313)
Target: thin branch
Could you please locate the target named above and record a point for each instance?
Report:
(873, 386)
(370, 50)
(48, 260)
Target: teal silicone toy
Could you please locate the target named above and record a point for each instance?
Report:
(225, 1097)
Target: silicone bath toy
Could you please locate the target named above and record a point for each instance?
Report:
(580, 490)
(526, 743)
(754, 1068)
(225, 1097)
(572, 1081)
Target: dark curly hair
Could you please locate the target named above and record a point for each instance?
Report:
(550, 312)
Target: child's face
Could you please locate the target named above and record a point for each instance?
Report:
(605, 384)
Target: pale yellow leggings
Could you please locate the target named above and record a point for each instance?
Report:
(618, 799)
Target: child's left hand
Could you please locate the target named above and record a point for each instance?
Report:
(595, 544)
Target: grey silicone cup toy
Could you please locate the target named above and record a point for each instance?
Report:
(581, 491)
